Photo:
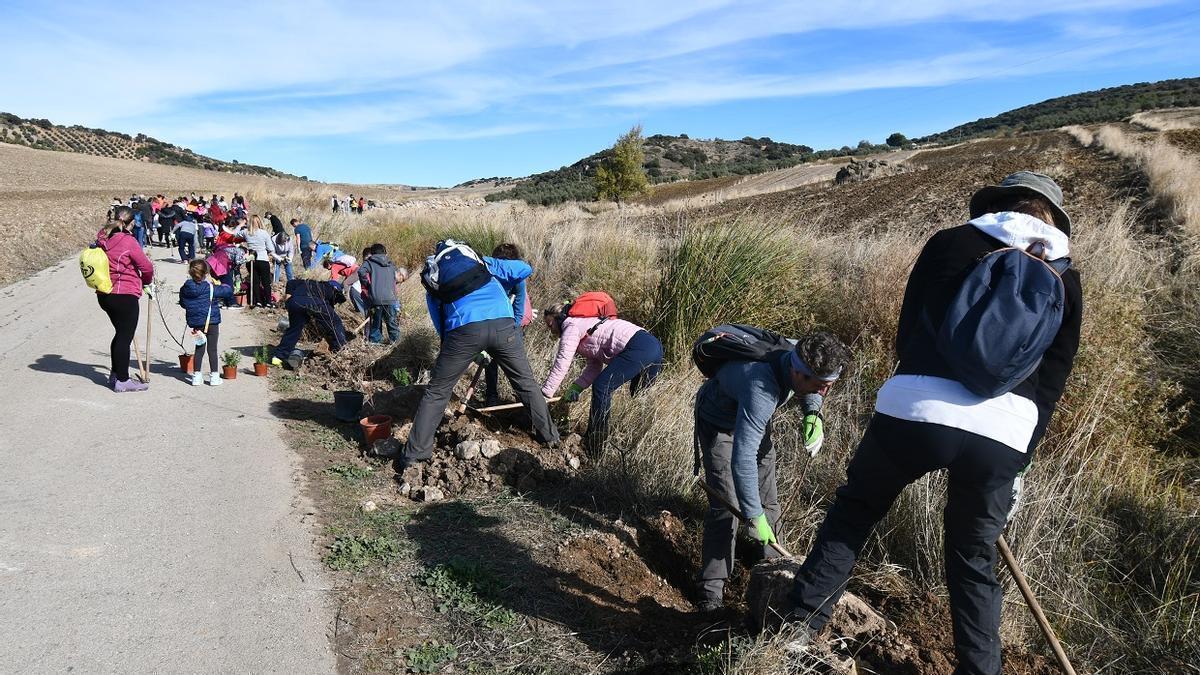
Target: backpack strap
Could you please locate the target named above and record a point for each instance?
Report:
(1060, 265)
(596, 325)
(211, 291)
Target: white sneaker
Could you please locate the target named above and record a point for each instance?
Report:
(197, 379)
(214, 379)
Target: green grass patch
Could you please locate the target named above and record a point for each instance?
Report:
(430, 657)
(350, 473)
(357, 552)
(470, 588)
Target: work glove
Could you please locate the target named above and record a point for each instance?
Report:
(482, 359)
(814, 432)
(149, 291)
(760, 529)
(573, 393)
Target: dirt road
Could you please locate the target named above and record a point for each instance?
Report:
(161, 531)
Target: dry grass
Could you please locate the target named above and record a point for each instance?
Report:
(1109, 532)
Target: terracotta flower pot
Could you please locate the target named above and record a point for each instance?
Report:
(376, 428)
(229, 372)
(261, 369)
(186, 361)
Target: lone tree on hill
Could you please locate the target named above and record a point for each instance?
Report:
(621, 175)
(897, 140)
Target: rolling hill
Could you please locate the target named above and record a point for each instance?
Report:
(671, 158)
(42, 134)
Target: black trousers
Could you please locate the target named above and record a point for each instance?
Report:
(262, 282)
(122, 311)
(892, 454)
(502, 340)
(213, 334)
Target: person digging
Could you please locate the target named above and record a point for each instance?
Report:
(472, 313)
(733, 415)
(987, 336)
(310, 300)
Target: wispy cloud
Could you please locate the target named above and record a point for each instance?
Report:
(223, 70)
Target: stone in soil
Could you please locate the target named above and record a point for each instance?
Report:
(432, 494)
(467, 450)
(490, 448)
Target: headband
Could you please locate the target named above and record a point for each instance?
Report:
(798, 364)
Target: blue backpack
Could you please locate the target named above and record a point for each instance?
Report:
(454, 271)
(1002, 320)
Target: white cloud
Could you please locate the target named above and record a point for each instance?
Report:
(195, 71)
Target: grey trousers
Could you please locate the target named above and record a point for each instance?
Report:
(720, 526)
(501, 339)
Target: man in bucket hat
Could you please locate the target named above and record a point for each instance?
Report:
(926, 419)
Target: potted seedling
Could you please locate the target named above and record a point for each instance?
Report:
(230, 361)
(262, 360)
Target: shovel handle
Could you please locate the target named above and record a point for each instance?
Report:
(509, 406)
(737, 513)
(462, 408)
(1031, 601)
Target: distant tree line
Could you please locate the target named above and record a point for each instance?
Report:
(1091, 107)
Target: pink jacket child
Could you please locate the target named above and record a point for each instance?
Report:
(128, 265)
(598, 349)
(617, 352)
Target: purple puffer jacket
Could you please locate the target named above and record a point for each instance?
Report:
(128, 266)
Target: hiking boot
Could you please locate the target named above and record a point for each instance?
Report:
(214, 379)
(122, 386)
(710, 605)
(802, 637)
(197, 379)
(401, 462)
(295, 360)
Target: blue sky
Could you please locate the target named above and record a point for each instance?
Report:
(434, 93)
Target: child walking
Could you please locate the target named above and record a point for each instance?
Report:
(201, 299)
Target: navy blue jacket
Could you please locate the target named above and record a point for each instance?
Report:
(193, 297)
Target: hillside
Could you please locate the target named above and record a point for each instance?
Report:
(42, 134)
(1089, 107)
(674, 158)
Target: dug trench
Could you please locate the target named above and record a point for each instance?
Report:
(500, 554)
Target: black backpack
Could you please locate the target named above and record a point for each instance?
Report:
(736, 342)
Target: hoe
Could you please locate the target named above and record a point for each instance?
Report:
(1005, 553)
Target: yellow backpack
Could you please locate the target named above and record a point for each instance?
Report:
(93, 263)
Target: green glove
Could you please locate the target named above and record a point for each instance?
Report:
(814, 433)
(760, 529)
(573, 393)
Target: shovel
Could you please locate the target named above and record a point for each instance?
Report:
(737, 513)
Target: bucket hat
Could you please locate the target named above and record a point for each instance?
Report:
(1026, 182)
